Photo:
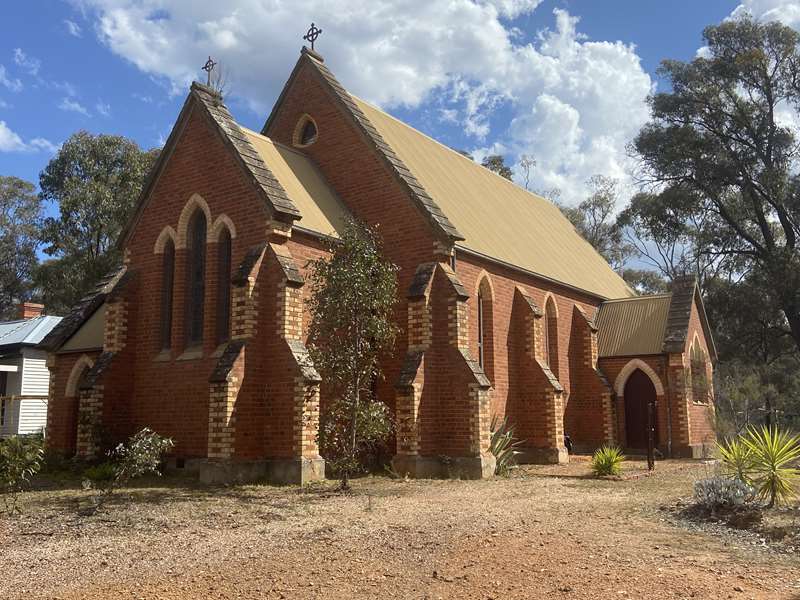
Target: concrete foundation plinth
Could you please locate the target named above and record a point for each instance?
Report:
(542, 456)
(281, 471)
(445, 467)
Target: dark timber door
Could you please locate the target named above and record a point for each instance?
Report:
(639, 392)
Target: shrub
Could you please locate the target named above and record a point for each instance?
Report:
(737, 459)
(142, 454)
(774, 451)
(607, 460)
(503, 445)
(722, 492)
(21, 458)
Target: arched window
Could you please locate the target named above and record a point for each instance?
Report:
(551, 335)
(305, 132)
(167, 280)
(195, 277)
(485, 329)
(699, 373)
(223, 286)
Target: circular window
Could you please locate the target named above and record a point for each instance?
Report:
(305, 133)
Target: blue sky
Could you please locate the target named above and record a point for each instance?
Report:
(513, 76)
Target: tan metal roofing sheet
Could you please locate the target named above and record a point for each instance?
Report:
(633, 326)
(322, 211)
(498, 218)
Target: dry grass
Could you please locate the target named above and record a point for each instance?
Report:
(543, 532)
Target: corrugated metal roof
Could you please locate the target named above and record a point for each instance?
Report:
(321, 209)
(29, 331)
(632, 326)
(498, 218)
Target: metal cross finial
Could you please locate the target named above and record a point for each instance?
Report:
(208, 67)
(312, 34)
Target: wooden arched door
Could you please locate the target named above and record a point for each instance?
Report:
(639, 392)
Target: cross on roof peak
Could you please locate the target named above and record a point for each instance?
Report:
(312, 34)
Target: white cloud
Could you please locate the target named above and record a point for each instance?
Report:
(15, 85)
(73, 106)
(103, 108)
(28, 63)
(44, 145)
(10, 141)
(573, 103)
(72, 28)
(785, 11)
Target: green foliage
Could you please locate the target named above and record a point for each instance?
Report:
(727, 162)
(497, 163)
(503, 445)
(102, 476)
(645, 281)
(737, 459)
(96, 180)
(20, 222)
(775, 452)
(594, 219)
(353, 294)
(715, 493)
(607, 460)
(140, 455)
(21, 457)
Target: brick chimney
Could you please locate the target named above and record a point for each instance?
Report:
(29, 310)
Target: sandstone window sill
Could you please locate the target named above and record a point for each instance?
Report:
(191, 353)
(163, 356)
(219, 350)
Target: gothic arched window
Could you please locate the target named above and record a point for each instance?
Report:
(167, 280)
(223, 286)
(195, 278)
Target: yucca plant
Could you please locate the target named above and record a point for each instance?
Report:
(774, 452)
(737, 459)
(503, 445)
(607, 460)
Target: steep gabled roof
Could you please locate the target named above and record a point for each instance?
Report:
(657, 324)
(210, 103)
(321, 209)
(86, 307)
(439, 222)
(469, 205)
(498, 218)
(632, 326)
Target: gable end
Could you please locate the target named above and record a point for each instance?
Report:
(427, 206)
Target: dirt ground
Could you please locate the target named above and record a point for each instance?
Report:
(544, 532)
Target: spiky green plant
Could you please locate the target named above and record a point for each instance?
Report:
(503, 445)
(607, 460)
(737, 459)
(774, 452)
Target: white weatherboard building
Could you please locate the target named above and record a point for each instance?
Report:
(24, 378)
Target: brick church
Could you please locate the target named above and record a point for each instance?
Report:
(504, 309)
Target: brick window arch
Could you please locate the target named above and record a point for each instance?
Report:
(305, 132)
(485, 322)
(167, 285)
(550, 329)
(224, 248)
(195, 277)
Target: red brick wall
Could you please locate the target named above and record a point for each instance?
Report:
(700, 413)
(367, 188)
(470, 270)
(62, 411)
